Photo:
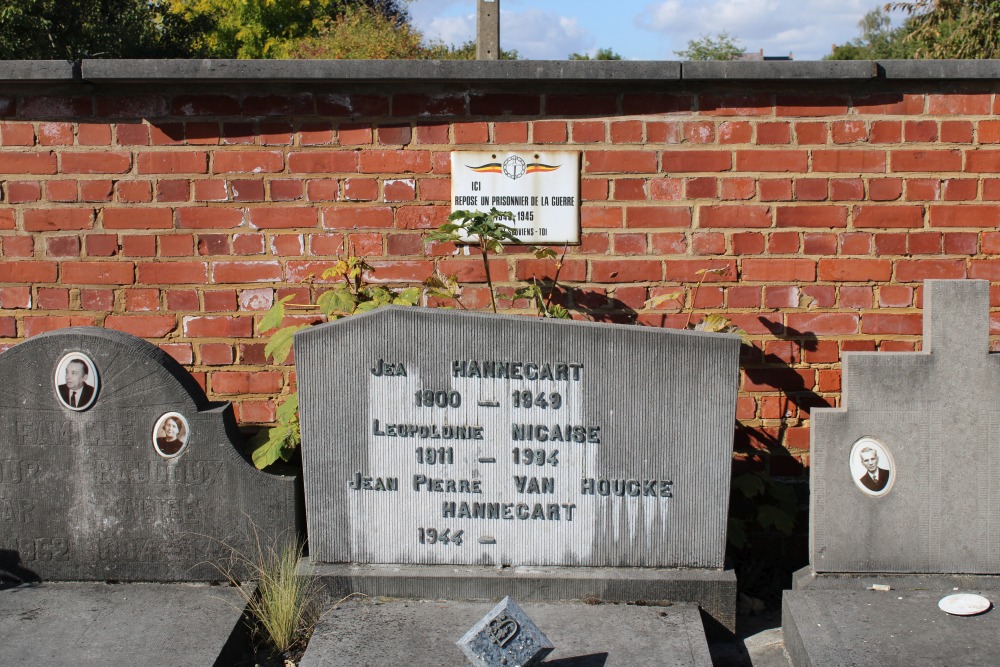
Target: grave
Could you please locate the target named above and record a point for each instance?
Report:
(463, 456)
(905, 506)
(114, 467)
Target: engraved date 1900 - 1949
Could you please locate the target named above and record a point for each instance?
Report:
(435, 536)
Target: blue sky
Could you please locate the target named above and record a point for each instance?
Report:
(650, 29)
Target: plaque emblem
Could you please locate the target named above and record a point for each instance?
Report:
(514, 167)
(502, 630)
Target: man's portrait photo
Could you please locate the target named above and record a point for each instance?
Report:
(76, 381)
(170, 435)
(871, 466)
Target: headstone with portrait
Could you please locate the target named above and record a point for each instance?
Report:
(115, 466)
(905, 488)
(454, 455)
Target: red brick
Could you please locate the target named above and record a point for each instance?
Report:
(923, 189)
(775, 189)
(40, 324)
(743, 297)
(991, 243)
(216, 354)
(400, 271)
(395, 161)
(55, 106)
(961, 244)
(890, 103)
(61, 191)
(93, 134)
(7, 219)
(132, 192)
(98, 273)
(471, 270)
(960, 189)
(847, 189)
(895, 296)
(143, 326)
(687, 270)
(287, 244)
(924, 243)
(772, 160)
(629, 244)
(421, 217)
(96, 191)
(138, 246)
(811, 216)
(811, 134)
(400, 189)
(956, 132)
(811, 189)
(708, 243)
(655, 103)
(247, 190)
(888, 216)
(956, 104)
(173, 273)
(660, 132)
(855, 243)
(173, 162)
(179, 245)
(398, 135)
(503, 133)
(515, 104)
(918, 131)
(779, 270)
(138, 218)
(62, 246)
(628, 271)
(132, 135)
(819, 244)
(174, 190)
(658, 216)
(624, 162)
(12, 298)
(28, 163)
(696, 161)
(885, 189)
(339, 104)
(672, 243)
(417, 104)
(283, 104)
(774, 133)
(823, 324)
(323, 162)
(246, 272)
(18, 246)
(699, 132)
(738, 188)
(211, 326)
(55, 134)
(548, 132)
(357, 217)
(969, 215)
(783, 243)
(849, 131)
(908, 271)
(249, 162)
(735, 132)
(27, 272)
(255, 412)
(219, 300)
(985, 269)
(927, 161)
(359, 189)
(862, 161)
(892, 323)
(23, 192)
(701, 188)
(54, 219)
(282, 218)
(201, 217)
(739, 216)
(810, 105)
(17, 134)
(855, 270)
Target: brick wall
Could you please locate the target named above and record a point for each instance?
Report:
(180, 212)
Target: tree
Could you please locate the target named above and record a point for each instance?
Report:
(943, 29)
(466, 51)
(364, 34)
(602, 54)
(877, 40)
(270, 28)
(73, 29)
(720, 47)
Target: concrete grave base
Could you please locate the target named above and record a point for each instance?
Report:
(120, 624)
(860, 628)
(807, 579)
(713, 590)
(365, 632)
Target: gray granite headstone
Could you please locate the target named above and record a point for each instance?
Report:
(135, 478)
(928, 424)
(505, 637)
(439, 437)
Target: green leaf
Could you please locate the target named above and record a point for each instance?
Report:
(713, 323)
(768, 515)
(559, 312)
(657, 301)
(288, 412)
(338, 300)
(275, 314)
(366, 306)
(270, 447)
(338, 270)
(749, 484)
(408, 297)
(281, 343)
(544, 253)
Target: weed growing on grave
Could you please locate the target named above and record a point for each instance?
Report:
(283, 605)
(351, 293)
(486, 231)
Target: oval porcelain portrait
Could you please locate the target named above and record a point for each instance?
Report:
(170, 435)
(872, 467)
(76, 381)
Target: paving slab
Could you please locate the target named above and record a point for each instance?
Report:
(879, 628)
(361, 632)
(83, 624)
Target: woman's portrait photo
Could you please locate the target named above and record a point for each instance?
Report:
(76, 381)
(170, 435)
(872, 467)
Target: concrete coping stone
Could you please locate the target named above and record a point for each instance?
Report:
(27, 71)
(290, 71)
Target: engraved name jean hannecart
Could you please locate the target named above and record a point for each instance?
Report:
(434, 438)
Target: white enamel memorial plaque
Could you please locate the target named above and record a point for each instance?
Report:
(541, 189)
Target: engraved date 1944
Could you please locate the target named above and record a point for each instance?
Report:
(435, 536)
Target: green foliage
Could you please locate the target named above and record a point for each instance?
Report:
(943, 29)
(602, 54)
(74, 29)
(466, 51)
(350, 294)
(533, 290)
(363, 33)
(284, 604)
(758, 500)
(483, 229)
(720, 47)
(878, 40)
